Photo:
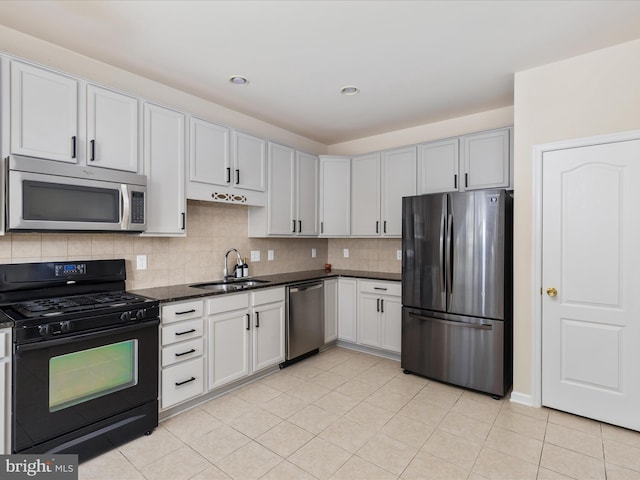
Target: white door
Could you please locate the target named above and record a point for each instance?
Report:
(398, 180)
(591, 321)
(307, 194)
(229, 347)
(280, 209)
(249, 162)
(365, 195)
(485, 160)
(438, 166)
(209, 153)
(335, 193)
(268, 335)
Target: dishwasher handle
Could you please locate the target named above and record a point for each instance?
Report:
(305, 287)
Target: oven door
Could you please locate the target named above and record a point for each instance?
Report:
(65, 384)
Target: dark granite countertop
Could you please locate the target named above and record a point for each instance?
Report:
(183, 292)
(5, 320)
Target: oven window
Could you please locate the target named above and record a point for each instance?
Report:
(70, 203)
(81, 376)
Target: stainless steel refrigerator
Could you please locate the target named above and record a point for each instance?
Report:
(457, 324)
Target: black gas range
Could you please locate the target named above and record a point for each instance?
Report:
(85, 356)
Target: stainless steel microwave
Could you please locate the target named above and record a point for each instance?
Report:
(46, 195)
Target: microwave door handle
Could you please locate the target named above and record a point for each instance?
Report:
(125, 207)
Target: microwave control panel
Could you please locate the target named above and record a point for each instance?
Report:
(137, 207)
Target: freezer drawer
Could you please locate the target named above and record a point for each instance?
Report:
(465, 351)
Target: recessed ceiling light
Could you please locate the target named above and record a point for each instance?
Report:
(238, 80)
(349, 90)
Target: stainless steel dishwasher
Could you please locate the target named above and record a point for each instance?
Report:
(305, 320)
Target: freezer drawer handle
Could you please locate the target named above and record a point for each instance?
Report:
(479, 326)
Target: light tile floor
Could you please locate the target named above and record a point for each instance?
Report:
(348, 415)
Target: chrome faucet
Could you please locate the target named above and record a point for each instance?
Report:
(225, 272)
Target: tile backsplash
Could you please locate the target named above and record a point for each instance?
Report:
(212, 228)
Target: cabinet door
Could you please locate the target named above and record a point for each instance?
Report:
(249, 162)
(486, 157)
(268, 335)
(164, 152)
(369, 319)
(307, 194)
(398, 180)
(347, 309)
(112, 129)
(228, 347)
(44, 113)
(330, 310)
(391, 324)
(365, 195)
(280, 196)
(209, 153)
(335, 196)
(438, 167)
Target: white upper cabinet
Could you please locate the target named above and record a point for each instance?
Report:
(292, 195)
(307, 193)
(365, 195)
(249, 162)
(398, 180)
(335, 196)
(471, 162)
(485, 158)
(438, 166)
(44, 113)
(164, 157)
(112, 129)
(378, 183)
(209, 160)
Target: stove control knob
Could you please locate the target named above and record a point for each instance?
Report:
(140, 314)
(65, 326)
(44, 330)
(125, 317)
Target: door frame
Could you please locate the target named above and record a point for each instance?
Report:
(535, 398)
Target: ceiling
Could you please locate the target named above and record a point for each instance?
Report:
(415, 62)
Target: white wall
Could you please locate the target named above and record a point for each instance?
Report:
(47, 54)
(501, 117)
(592, 94)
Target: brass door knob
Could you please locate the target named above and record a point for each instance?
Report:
(552, 292)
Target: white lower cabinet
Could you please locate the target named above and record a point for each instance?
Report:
(347, 290)
(379, 314)
(182, 352)
(330, 310)
(5, 390)
(246, 334)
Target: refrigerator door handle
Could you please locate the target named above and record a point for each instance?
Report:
(478, 326)
(449, 255)
(444, 252)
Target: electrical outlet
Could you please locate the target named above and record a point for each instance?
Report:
(398, 254)
(314, 253)
(270, 255)
(141, 262)
(345, 253)
(255, 255)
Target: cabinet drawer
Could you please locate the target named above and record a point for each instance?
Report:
(269, 295)
(380, 288)
(181, 331)
(175, 312)
(228, 303)
(181, 382)
(5, 337)
(182, 351)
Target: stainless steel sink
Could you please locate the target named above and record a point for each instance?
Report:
(230, 285)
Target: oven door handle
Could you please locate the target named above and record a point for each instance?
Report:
(73, 338)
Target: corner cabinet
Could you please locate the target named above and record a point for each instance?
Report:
(471, 162)
(335, 196)
(164, 157)
(292, 195)
(378, 183)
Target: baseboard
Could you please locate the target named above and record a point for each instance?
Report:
(523, 399)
